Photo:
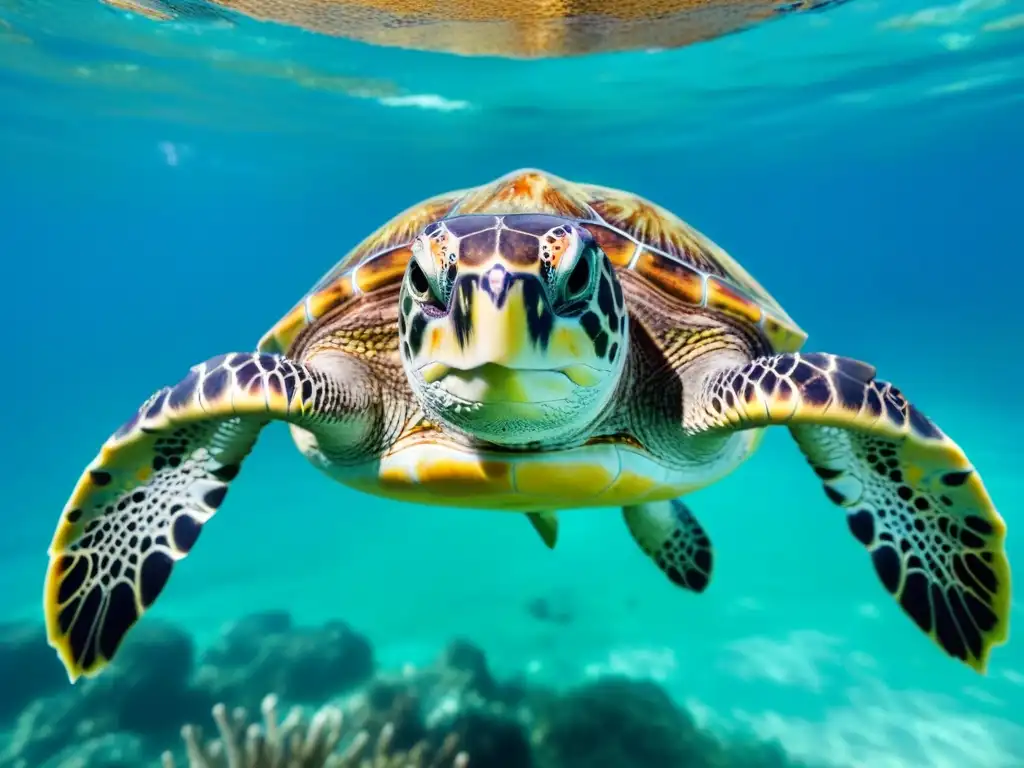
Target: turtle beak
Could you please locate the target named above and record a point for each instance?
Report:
(501, 320)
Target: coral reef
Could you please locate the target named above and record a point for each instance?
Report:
(300, 743)
(342, 712)
(455, 700)
(111, 750)
(618, 722)
(267, 652)
(26, 667)
(155, 666)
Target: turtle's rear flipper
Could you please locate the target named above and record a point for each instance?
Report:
(911, 496)
(546, 525)
(143, 501)
(671, 536)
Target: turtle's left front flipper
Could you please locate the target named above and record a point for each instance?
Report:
(911, 496)
(141, 504)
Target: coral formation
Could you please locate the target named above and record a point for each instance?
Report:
(618, 722)
(455, 699)
(300, 743)
(451, 714)
(26, 666)
(156, 665)
(111, 750)
(266, 651)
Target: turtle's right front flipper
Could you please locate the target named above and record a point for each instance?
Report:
(142, 502)
(912, 498)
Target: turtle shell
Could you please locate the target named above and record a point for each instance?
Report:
(522, 29)
(672, 259)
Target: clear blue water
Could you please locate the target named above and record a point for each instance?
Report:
(167, 191)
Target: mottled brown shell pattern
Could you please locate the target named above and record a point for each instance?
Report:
(674, 259)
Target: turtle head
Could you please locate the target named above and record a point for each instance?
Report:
(513, 328)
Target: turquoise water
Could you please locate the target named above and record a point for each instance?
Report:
(169, 190)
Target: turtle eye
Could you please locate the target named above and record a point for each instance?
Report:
(418, 282)
(420, 288)
(578, 281)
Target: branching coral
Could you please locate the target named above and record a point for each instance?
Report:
(300, 743)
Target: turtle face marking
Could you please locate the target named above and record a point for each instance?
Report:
(513, 328)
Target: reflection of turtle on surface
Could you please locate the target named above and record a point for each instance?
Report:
(533, 345)
(169, 10)
(525, 28)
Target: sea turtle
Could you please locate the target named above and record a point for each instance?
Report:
(523, 29)
(532, 345)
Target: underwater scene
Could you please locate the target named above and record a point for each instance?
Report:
(598, 384)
